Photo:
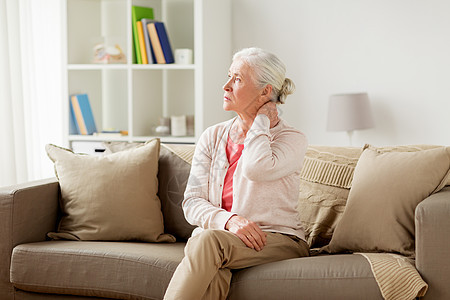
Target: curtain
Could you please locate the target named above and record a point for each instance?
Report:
(30, 87)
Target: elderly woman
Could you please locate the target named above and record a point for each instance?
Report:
(243, 186)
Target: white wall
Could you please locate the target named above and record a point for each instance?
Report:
(396, 50)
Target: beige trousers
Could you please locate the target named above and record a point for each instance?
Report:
(205, 271)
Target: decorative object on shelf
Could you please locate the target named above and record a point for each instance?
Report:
(349, 112)
(164, 127)
(137, 14)
(190, 125)
(104, 54)
(178, 125)
(81, 112)
(183, 56)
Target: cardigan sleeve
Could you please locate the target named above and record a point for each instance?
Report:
(269, 157)
(197, 207)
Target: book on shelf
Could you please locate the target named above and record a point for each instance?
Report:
(164, 41)
(142, 43)
(138, 13)
(148, 45)
(160, 43)
(83, 116)
(154, 39)
(73, 126)
(111, 133)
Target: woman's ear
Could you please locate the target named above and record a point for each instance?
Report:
(267, 91)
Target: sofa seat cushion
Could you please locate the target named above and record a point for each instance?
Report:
(345, 276)
(119, 270)
(123, 270)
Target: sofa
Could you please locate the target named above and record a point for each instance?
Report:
(35, 264)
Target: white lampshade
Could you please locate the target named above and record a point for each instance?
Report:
(348, 112)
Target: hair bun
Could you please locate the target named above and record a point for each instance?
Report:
(287, 88)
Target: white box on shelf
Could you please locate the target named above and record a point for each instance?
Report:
(87, 147)
(178, 125)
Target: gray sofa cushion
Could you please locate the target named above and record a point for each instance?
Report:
(22, 295)
(346, 276)
(143, 271)
(102, 269)
(173, 174)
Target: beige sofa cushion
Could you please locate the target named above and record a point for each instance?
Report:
(408, 148)
(386, 188)
(111, 197)
(174, 166)
(325, 181)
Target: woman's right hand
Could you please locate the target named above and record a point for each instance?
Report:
(270, 110)
(250, 233)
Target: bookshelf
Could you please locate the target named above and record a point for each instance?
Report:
(133, 97)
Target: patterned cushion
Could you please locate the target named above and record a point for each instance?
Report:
(174, 168)
(325, 180)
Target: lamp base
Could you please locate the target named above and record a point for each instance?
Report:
(350, 137)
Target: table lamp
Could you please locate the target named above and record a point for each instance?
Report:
(349, 112)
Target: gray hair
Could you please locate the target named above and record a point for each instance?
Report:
(269, 69)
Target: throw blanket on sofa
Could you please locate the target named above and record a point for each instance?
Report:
(396, 276)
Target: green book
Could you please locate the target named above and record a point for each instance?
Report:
(137, 13)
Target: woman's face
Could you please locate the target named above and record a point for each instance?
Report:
(241, 93)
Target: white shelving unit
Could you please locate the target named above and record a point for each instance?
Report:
(133, 96)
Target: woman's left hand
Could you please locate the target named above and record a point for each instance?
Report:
(270, 110)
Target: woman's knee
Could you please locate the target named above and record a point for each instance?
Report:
(210, 235)
(209, 238)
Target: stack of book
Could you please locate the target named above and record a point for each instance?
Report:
(82, 121)
(151, 42)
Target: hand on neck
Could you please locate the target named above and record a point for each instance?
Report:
(247, 116)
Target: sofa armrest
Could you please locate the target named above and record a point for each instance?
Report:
(433, 243)
(27, 212)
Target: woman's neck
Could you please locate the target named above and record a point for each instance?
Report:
(245, 122)
(240, 127)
